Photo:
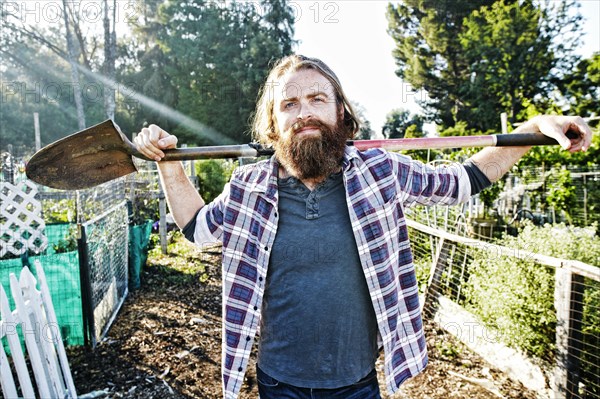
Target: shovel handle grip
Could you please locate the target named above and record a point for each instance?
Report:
(526, 139)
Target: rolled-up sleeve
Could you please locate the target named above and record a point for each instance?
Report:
(425, 184)
(208, 227)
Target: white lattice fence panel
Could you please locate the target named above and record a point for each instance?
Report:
(22, 226)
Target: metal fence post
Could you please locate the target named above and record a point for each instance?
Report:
(568, 301)
(86, 288)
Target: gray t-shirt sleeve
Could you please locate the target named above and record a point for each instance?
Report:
(477, 178)
(190, 228)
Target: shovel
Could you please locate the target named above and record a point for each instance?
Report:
(102, 153)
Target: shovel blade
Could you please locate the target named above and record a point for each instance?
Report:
(84, 159)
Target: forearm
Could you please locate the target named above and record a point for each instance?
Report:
(182, 197)
(495, 162)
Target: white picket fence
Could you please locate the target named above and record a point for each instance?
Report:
(34, 313)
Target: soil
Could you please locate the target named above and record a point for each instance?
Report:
(166, 342)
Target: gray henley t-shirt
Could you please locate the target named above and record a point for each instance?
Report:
(318, 327)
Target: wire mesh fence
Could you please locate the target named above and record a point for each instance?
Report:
(559, 194)
(533, 315)
(96, 250)
(104, 257)
(59, 220)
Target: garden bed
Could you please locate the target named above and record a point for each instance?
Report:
(166, 342)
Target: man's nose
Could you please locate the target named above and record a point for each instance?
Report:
(304, 112)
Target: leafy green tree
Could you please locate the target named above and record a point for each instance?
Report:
(581, 87)
(35, 60)
(477, 59)
(36, 80)
(398, 121)
(213, 174)
(428, 53)
(512, 58)
(219, 57)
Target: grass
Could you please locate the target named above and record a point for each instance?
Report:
(183, 262)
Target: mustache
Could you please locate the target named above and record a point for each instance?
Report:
(310, 123)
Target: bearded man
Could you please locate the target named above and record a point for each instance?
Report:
(315, 244)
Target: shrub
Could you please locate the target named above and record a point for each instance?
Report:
(59, 211)
(212, 176)
(68, 243)
(516, 297)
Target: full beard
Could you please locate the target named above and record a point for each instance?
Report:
(311, 157)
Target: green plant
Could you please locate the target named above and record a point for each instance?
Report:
(447, 350)
(68, 243)
(562, 196)
(491, 193)
(422, 271)
(591, 332)
(144, 208)
(516, 296)
(212, 176)
(59, 211)
(184, 259)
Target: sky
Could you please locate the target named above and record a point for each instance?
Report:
(350, 36)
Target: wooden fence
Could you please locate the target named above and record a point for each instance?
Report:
(576, 358)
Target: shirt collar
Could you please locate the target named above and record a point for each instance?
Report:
(350, 154)
(266, 178)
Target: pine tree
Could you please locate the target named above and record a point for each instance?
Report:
(477, 59)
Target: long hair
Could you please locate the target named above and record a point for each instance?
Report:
(263, 124)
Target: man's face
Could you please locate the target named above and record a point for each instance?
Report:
(301, 96)
(310, 140)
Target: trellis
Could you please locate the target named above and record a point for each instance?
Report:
(21, 224)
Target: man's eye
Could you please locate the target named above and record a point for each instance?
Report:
(289, 105)
(319, 99)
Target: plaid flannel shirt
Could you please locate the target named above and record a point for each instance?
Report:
(378, 186)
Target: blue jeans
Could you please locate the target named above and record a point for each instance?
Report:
(270, 388)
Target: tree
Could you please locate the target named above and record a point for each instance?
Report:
(428, 53)
(36, 78)
(365, 131)
(220, 55)
(43, 64)
(146, 69)
(110, 54)
(477, 59)
(581, 87)
(399, 121)
(513, 58)
(71, 57)
(205, 59)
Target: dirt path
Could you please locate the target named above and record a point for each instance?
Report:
(166, 342)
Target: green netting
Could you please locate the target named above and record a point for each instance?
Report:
(62, 275)
(139, 237)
